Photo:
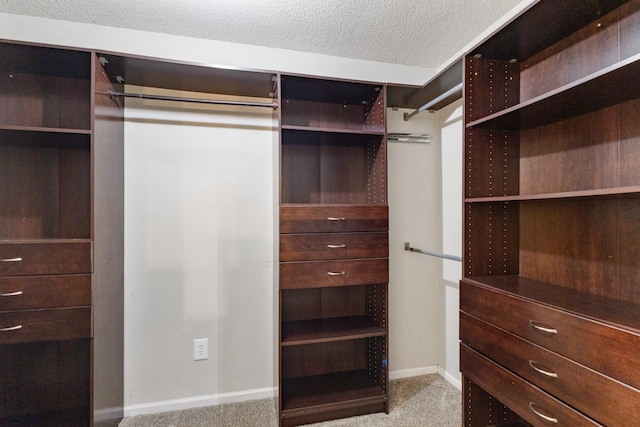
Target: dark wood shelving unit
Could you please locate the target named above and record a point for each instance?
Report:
(549, 298)
(52, 161)
(334, 267)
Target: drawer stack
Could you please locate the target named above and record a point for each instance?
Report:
(45, 330)
(561, 368)
(334, 273)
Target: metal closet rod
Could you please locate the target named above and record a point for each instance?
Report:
(434, 101)
(114, 94)
(407, 247)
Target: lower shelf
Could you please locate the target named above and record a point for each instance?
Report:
(77, 417)
(321, 395)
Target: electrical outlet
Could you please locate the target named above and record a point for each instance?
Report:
(201, 349)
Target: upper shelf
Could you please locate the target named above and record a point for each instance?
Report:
(142, 71)
(44, 61)
(541, 26)
(342, 92)
(612, 85)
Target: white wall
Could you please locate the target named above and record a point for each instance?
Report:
(415, 216)
(450, 123)
(199, 243)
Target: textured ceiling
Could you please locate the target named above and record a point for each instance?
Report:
(422, 33)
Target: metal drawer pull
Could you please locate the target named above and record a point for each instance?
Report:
(542, 371)
(543, 416)
(12, 328)
(336, 246)
(336, 218)
(542, 328)
(11, 259)
(11, 294)
(336, 273)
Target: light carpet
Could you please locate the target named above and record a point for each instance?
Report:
(424, 401)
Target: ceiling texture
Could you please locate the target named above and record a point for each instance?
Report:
(423, 33)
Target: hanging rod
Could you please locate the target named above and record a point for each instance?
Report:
(455, 89)
(114, 94)
(407, 247)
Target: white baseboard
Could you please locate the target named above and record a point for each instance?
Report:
(450, 378)
(198, 401)
(262, 393)
(415, 372)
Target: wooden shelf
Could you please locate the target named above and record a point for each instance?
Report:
(327, 330)
(334, 91)
(320, 393)
(604, 88)
(634, 190)
(45, 130)
(334, 130)
(622, 314)
(541, 26)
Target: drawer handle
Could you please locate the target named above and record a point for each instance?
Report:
(11, 259)
(336, 273)
(11, 294)
(336, 246)
(541, 415)
(336, 218)
(542, 328)
(12, 328)
(542, 371)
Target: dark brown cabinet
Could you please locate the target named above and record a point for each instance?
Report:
(334, 267)
(60, 243)
(549, 304)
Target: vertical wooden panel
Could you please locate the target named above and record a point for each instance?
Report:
(108, 252)
(491, 239)
(490, 86)
(627, 284)
(629, 149)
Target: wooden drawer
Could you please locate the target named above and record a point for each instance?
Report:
(596, 395)
(47, 257)
(32, 292)
(44, 325)
(333, 218)
(298, 275)
(607, 349)
(319, 246)
(527, 400)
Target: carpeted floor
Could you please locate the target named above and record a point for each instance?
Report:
(425, 401)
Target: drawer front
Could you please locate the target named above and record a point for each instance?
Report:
(611, 351)
(596, 395)
(33, 292)
(319, 246)
(532, 404)
(333, 218)
(27, 259)
(298, 275)
(44, 325)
